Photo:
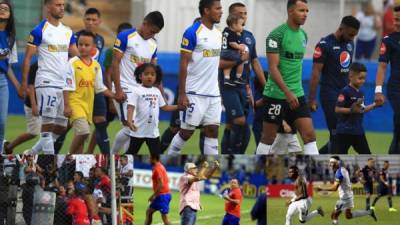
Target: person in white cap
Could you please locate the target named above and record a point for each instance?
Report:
(189, 190)
(346, 198)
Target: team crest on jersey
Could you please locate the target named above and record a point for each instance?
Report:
(68, 35)
(31, 38)
(117, 43)
(185, 42)
(349, 47)
(248, 41)
(345, 59)
(317, 52)
(382, 49)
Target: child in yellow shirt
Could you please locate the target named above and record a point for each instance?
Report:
(84, 79)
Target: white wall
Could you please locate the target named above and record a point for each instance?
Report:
(264, 15)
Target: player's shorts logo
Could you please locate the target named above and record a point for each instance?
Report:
(344, 59)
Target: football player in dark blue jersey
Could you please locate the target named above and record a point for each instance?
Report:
(367, 177)
(385, 188)
(237, 99)
(331, 61)
(390, 54)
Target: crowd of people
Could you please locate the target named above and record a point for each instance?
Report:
(80, 183)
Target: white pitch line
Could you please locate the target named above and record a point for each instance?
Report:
(200, 218)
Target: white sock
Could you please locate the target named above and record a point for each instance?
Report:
(360, 213)
(311, 215)
(47, 143)
(288, 220)
(210, 146)
(263, 149)
(311, 148)
(36, 148)
(120, 141)
(176, 146)
(335, 222)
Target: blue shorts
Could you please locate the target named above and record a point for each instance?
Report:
(161, 203)
(235, 102)
(383, 190)
(230, 55)
(368, 188)
(230, 220)
(100, 105)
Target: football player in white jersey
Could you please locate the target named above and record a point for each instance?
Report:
(53, 42)
(198, 79)
(132, 48)
(346, 198)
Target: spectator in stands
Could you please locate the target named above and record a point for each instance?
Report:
(125, 174)
(388, 18)
(67, 169)
(367, 35)
(77, 208)
(78, 177)
(104, 184)
(8, 56)
(61, 208)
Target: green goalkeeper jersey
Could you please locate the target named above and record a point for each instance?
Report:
(290, 45)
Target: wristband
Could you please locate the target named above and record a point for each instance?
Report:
(378, 89)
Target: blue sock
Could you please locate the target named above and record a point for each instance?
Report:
(236, 138)
(225, 141)
(201, 141)
(102, 137)
(246, 138)
(59, 143)
(166, 139)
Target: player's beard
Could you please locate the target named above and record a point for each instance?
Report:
(4, 20)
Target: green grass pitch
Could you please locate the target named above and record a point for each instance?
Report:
(212, 214)
(276, 211)
(379, 142)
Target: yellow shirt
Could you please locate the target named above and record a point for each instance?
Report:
(83, 81)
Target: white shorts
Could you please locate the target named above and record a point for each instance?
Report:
(201, 111)
(285, 143)
(81, 127)
(301, 207)
(33, 123)
(344, 204)
(51, 104)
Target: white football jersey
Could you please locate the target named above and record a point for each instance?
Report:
(136, 51)
(52, 43)
(202, 71)
(343, 178)
(147, 102)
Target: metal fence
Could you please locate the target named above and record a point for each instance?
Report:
(47, 190)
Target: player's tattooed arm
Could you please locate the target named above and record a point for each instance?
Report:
(29, 52)
(183, 100)
(276, 76)
(315, 75)
(380, 78)
(116, 60)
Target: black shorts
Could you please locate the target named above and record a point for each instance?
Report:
(276, 110)
(153, 144)
(368, 188)
(100, 105)
(343, 142)
(383, 190)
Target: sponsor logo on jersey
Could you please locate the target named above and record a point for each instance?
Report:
(211, 52)
(57, 48)
(86, 83)
(317, 52)
(117, 43)
(345, 59)
(272, 43)
(185, 42)
(139, 60)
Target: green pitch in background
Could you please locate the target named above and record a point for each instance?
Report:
(212, 214)
(378, 142)
(276, 212)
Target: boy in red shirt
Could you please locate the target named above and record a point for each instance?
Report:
(232, 204)
(160, 199)
(77, 208)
